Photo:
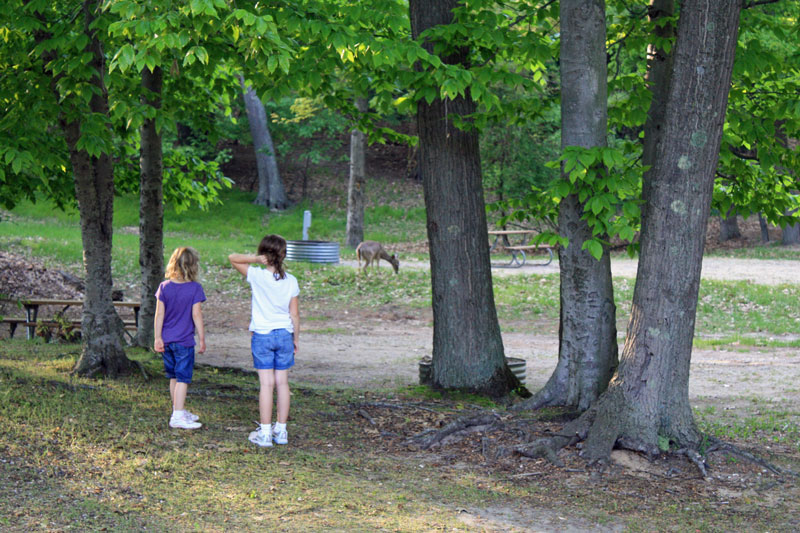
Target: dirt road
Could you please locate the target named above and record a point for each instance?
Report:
(762, 271)
(382, 348)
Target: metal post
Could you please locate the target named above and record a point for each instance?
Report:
(306, 224)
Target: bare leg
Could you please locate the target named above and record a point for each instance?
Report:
(266, 378)
(179, 396)
(282, 382)
(172, 390)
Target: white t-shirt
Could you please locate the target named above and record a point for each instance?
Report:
(271, 297)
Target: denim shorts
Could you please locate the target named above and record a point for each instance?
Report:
(273, 350)
(178, 362)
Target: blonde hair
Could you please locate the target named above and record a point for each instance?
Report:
(183, 263)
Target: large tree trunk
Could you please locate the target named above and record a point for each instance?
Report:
(587, 353)
(101, 327)
(648, 398)
(271, 192)
(467, 346)
(151, 210)
(355, 187)
(729, 226)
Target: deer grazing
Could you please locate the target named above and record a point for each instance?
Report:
(373, 251)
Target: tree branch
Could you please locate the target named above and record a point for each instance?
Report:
(748, 5)
(743, 153)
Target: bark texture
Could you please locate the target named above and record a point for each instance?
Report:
(587, 354)
(151, 209)
(659, 73)
(271, 192)
(101, 327)
(648, 398)
(355, 187)
(467, 347)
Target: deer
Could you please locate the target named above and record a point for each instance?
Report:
(371, 250)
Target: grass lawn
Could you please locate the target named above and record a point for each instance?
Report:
(93, 455)
(90, 455)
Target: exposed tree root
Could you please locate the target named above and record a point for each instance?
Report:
(426, 440)
(365, 415)
(377, 404)
(651, 451)
(141, 369)
(719, 446)
(548, 447)
(544, 398)
(695, 457)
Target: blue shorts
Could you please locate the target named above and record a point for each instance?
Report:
(178, 362)
(273, 350)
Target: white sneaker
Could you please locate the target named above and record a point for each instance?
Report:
(280, 436)
(183, 422)
(260, 438)
(192, 417)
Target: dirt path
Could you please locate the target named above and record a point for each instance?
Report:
(761, 271)
(383, 348)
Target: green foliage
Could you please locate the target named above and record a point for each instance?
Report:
(758, 167)
(607, 182)
(40, 87)
(514, 158)
(304, 125)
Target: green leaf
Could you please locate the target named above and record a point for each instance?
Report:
(562, 188)
(16, 165)
(201, 54)
(126, 57)
(586, 159)
(594, 248)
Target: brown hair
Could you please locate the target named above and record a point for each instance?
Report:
(184, 262)
(273, 247)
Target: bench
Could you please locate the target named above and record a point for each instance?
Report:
(530, 249)
(519, 252)
(32, 312)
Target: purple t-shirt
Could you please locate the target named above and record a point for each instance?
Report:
(178, 300)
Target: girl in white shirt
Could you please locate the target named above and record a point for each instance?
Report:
(275, 330)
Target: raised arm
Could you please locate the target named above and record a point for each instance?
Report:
(242, 261)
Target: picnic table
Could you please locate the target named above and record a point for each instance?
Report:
(31, 306)
(502, 241)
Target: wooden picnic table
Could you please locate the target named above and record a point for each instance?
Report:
(518, 256)
(32, 305)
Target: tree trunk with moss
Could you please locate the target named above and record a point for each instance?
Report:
(647, 402)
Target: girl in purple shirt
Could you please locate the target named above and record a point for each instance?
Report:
(178, 316)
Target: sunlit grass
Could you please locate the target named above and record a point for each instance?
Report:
(758, 419)
(97, 455)
(772, 250)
